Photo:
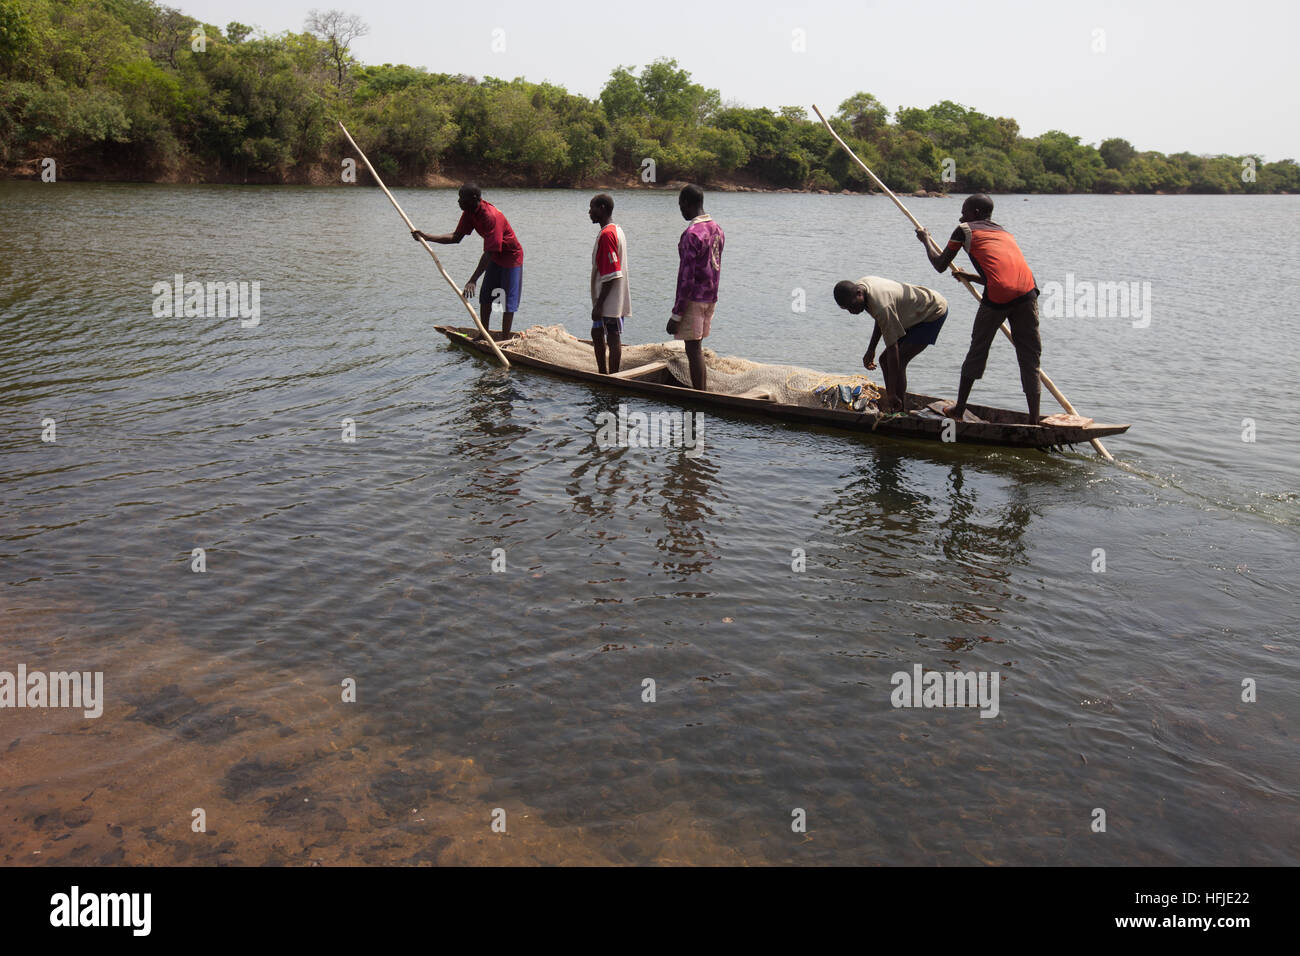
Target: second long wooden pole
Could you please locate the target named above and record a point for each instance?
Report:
(436, 261)
(1051, 386)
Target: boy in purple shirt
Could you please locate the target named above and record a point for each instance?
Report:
(700, 251)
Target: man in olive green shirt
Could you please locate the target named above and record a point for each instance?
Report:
(908, 318)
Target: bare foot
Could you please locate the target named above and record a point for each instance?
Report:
(950, 408)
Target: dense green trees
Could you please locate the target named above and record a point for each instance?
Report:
(137, 90)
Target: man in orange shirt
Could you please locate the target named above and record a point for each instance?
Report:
(1010, 294)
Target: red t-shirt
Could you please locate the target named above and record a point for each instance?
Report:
(498, 238)
(997, 258)
(608, 262)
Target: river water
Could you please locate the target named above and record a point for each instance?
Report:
(1157, 697)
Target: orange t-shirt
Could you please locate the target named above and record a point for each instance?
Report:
(993, 250)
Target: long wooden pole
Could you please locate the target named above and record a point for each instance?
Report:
(455, 288)
(1051, 386)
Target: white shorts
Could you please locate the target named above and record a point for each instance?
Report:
(696, 322)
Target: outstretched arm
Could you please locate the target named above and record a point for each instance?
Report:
(940, 260)
(444, 239)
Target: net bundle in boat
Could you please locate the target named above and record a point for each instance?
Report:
(786, 384)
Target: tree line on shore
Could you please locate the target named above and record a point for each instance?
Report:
(132, 89)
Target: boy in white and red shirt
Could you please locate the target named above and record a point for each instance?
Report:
(611, 298)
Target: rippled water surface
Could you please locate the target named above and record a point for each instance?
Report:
(523, 690)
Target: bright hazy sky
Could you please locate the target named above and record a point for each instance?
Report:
(1209, 77)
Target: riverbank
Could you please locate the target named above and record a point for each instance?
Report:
(318, 174)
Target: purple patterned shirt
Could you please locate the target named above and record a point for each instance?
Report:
(700, 249)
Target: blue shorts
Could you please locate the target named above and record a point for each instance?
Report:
(611, 326)
(508, 278)
(927, 333)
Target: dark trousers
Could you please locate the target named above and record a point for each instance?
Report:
(1023, 319)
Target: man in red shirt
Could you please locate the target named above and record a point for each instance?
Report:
(1010, 294)
(502, 259)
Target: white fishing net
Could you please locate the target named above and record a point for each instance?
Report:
(786, 384)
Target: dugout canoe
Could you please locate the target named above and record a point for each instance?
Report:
(1000, 426)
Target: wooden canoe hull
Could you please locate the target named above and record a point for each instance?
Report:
(1000, 426)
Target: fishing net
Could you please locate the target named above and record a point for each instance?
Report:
(786, 384)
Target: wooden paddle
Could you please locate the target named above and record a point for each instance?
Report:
(468, 305)
(1051, 386)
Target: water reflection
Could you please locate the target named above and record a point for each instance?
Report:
(962, 535)
(485, 431)
(901, 520)
(687, 488)
(664, 482)
(597, 473)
